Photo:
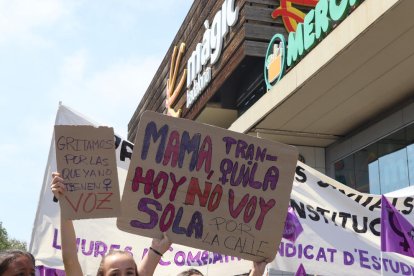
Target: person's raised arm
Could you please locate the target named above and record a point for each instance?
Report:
(258, 268)
(150, 261)
(67, 233)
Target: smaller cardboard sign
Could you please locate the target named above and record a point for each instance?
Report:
(207, 187)
(85, 157)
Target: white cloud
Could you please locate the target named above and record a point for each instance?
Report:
(20, 19)
(7, 150)
(73, 68)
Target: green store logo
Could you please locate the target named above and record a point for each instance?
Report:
(317, 24)
(275, 60)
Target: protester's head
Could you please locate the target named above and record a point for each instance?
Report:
(16, 262)
(118, 262)
(191, 272)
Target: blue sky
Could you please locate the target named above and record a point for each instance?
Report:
(97, 57)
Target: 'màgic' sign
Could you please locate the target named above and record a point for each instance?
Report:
(207, 187)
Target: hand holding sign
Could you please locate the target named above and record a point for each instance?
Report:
(207, 187)
(86, 162)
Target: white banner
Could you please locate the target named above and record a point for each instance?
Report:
(96, 237)
(341, 230)
(340, 237)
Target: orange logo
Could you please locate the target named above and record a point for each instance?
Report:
(291, 16)
(274, 62)
(172, 91)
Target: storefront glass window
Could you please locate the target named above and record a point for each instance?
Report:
(382, 167)
(374, 180)
(410, 156)
(393, 171)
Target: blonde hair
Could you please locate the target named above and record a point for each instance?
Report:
(110, 253)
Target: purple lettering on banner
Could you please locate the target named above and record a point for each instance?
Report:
(281, 249)
(217, 257)
(55, 239)
(204, 257)
(376, 263)
(405, 269)
(192, 260)
(384, 263)
(348, 258)
(321, 255)
(363, 259)
(179, 254)
(397, 268)
(114, 247)
(332, 251)
(77, 243)
(129, 250)
(144, 252)
(100, 249)
(83, 246)
(167, 263)
(143, 207)
(306, 254)
(290, 250)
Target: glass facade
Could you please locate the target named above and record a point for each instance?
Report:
(382, 167)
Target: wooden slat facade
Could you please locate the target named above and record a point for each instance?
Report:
(247, 38)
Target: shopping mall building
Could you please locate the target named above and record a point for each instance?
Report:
(331, 77)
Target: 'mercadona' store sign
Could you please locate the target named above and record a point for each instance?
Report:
(316, 25)
(209, 49)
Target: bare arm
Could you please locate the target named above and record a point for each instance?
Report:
(258, 269)
(150, 261)
(67, 232)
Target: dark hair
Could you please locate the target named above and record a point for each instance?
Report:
(8, 256)
(110, 253)
(190, 272)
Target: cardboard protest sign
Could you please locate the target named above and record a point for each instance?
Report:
(207, 187)
(85, 157)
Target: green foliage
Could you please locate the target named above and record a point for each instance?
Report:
(6, 243)
(16, 244)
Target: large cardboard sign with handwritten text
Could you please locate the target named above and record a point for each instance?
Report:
(207, 187)
(85, 157)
